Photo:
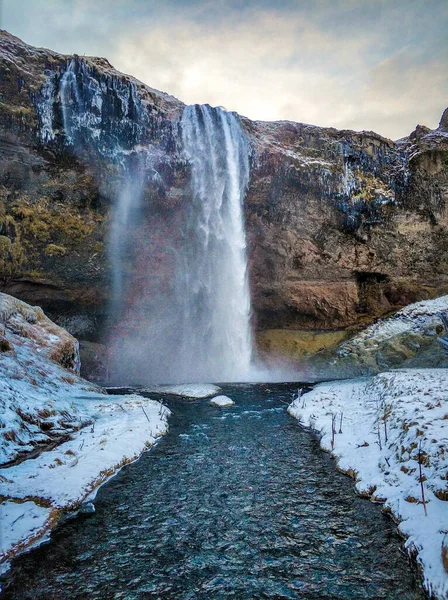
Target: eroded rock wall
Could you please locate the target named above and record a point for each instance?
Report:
(342, 226)
(60, 172)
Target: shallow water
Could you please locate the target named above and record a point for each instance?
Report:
(234, 502)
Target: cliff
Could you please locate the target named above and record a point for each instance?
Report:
(342, 226)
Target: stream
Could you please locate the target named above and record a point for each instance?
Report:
(234, 502)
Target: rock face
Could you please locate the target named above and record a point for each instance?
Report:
(36, 358)
(57, 186)
(342, 226)
(29, 322)
(408, 339)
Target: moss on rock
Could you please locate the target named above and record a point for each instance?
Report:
(55, 250)
(296, 344)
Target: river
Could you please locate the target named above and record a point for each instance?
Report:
(234, 502)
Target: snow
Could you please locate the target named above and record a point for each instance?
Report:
(425, 307)
(20, 522)
(419, 317)
(123, 426)
(222, 401)
(411, 407)
(83, 435)
(189, 390)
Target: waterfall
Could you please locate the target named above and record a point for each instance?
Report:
(82, 105)
(124, 219)
(180, 302)
(70, 102)
(213, 281)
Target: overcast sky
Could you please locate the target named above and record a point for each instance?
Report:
(358, 64)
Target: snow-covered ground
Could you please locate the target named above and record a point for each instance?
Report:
(60, 479)
(387, 428)
(60, 436)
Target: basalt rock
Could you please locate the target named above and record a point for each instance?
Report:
(342, 226)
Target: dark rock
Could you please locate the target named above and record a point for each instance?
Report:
(443, 125)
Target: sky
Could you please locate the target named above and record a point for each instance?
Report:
(378, 65)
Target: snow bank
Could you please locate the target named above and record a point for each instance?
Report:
(387, 428)
(60, 479)
(39, 386)
(408, 339)
(60, 436)
(222, 401)
(189, 390)
(18, 521)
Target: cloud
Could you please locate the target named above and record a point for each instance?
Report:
(408, 88)
(272, 66)
(344, 63)
(256, 67)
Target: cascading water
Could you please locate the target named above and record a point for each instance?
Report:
(213, 283)
(191, 322)
(124, 218)
(180, 302)
(71, 103)
(83, 108)
(194, 324)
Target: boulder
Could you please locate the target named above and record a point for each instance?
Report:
(24, 321)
